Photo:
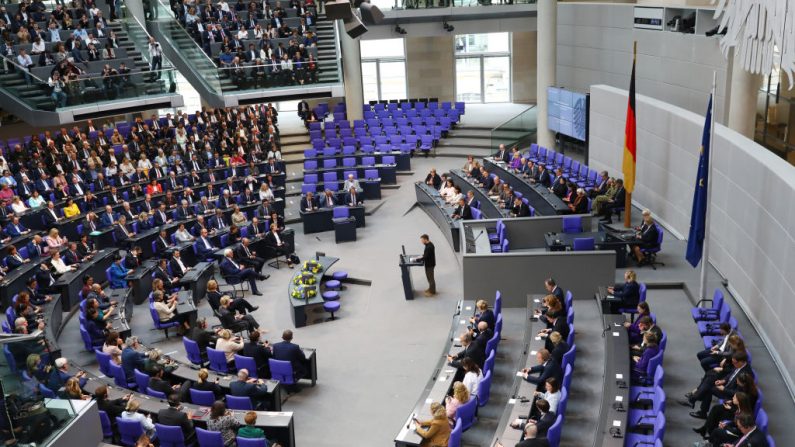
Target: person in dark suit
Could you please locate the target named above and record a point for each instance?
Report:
(462, 211)
(309, 202)
(121, 233)
(35, 247)
(546, 368)
(483, 314)
(601, 186)
(519, 209)
(161, 216)
(531, 438)
(303, 108)
(752, 436)
(428, 259)
(579, 204)
(558, 345)
(162, 244)
(260, 352)
(256, 229)
(470, 350)
(202, 336)
(204, 247)
(229, 267)
(161, 273)
(646, 237)
(251, 388)
(640, 362)
(288, 351)
(173, 416)
(113, 407)
(543, 178)
(559, 325)
(617, 202)
(246, 256)
(202, 384)
(157, 383)
(275, 240)
(50, 215)
(131, 359)
(471, 201)
(721, 384)
(13, 259)
(502, 154)
(71, 256)
(627, 295)
(433, 180)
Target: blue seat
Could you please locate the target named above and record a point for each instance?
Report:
(107, 429)
(251, 442)
(119, 378)
(207, 438)
(217, 360)
(156, 320)
(651, 252)
(708, 313)
(193, 352)
(572, 224)
(155, 393)
(466, 413)
(141, 379)
(129, 431)
(553, 434)
(205, 398)
(455, 434)
(247, 363)
(584, 244)
(170, 436)
(239, 402)
(282, 371)
(484, 389)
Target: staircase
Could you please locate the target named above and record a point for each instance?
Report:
(326, 51)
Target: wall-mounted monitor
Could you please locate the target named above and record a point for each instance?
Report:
(567, 112)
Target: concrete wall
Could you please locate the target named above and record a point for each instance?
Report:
(752, 209)
(430, 67)
(516, 275)
(523, 66)
(595, 47)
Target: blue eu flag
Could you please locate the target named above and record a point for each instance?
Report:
(698, 230)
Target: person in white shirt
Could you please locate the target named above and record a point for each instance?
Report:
(473, 375)
(131, 413)
(455, 196)
(448, 189)
(551, 394)
(182, 235)
(351, 182)
(25, 62)
(58, 264)
(18, 205)
(265, 192)
(38, 46)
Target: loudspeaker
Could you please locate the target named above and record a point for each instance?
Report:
(354, 26)
(338, 9)
(371, 15)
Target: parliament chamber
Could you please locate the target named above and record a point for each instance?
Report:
(203, 204)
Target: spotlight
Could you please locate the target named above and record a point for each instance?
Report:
(449, 28)
(400, 30)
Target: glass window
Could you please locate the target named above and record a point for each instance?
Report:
(370, 81)
(383, 69)
(482, 43)
(393, 79)
(382, 48)
(483, 67)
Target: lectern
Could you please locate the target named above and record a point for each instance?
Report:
(405, 264)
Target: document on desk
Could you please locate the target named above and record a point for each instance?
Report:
(616, 334)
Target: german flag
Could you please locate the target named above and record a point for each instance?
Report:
(630, 142)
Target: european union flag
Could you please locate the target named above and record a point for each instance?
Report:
(698, 218)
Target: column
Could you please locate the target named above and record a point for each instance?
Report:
(546, 62)
(351, 73)
(742, 102)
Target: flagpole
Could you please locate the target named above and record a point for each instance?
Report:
(705, 253)
(628, 201)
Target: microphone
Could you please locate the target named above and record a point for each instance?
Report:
(479, 235)
(318, 239)
(605, 330)
(413, 415)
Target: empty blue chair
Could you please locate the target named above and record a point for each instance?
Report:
(567, 376)
(141, 379)
(207, 438)
(498, 303)
(584, 244)
(712, 327)
(761, 420)
(107, 429)
(553, 434)
(708, 313)
(193, 352)
(640, 416)
(206, 398)
(248, 363)
(484, 389)
(568, 357)
(119, 378)
(129, 431)
(644, 393)
(466, 413)
(239, 402)
(217, 360)
(170, 436)
(650, 439)
(455, 434)
(572, 224)
(282, 371)
(491, 345)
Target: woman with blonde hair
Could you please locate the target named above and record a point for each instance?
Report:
(438, 432)
(228, 345)
(203, 384)
(54, 241)
(131, 413)
(483, 314)
(460, 397)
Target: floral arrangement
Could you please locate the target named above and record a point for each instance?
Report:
(312, 266)
(302, 291)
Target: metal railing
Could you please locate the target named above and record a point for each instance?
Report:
(517, 131)
(441, 4)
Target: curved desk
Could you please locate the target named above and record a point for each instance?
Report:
(488, 207)
(544, 202)
(70, 283)
(429, 199)
(303, 308)
(440, 381)
(615, 390)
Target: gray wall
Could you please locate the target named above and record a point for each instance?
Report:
(528, 232)
(516, 275)
(523, 66)
(595, 47)
(752, 210)
(430, 67)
